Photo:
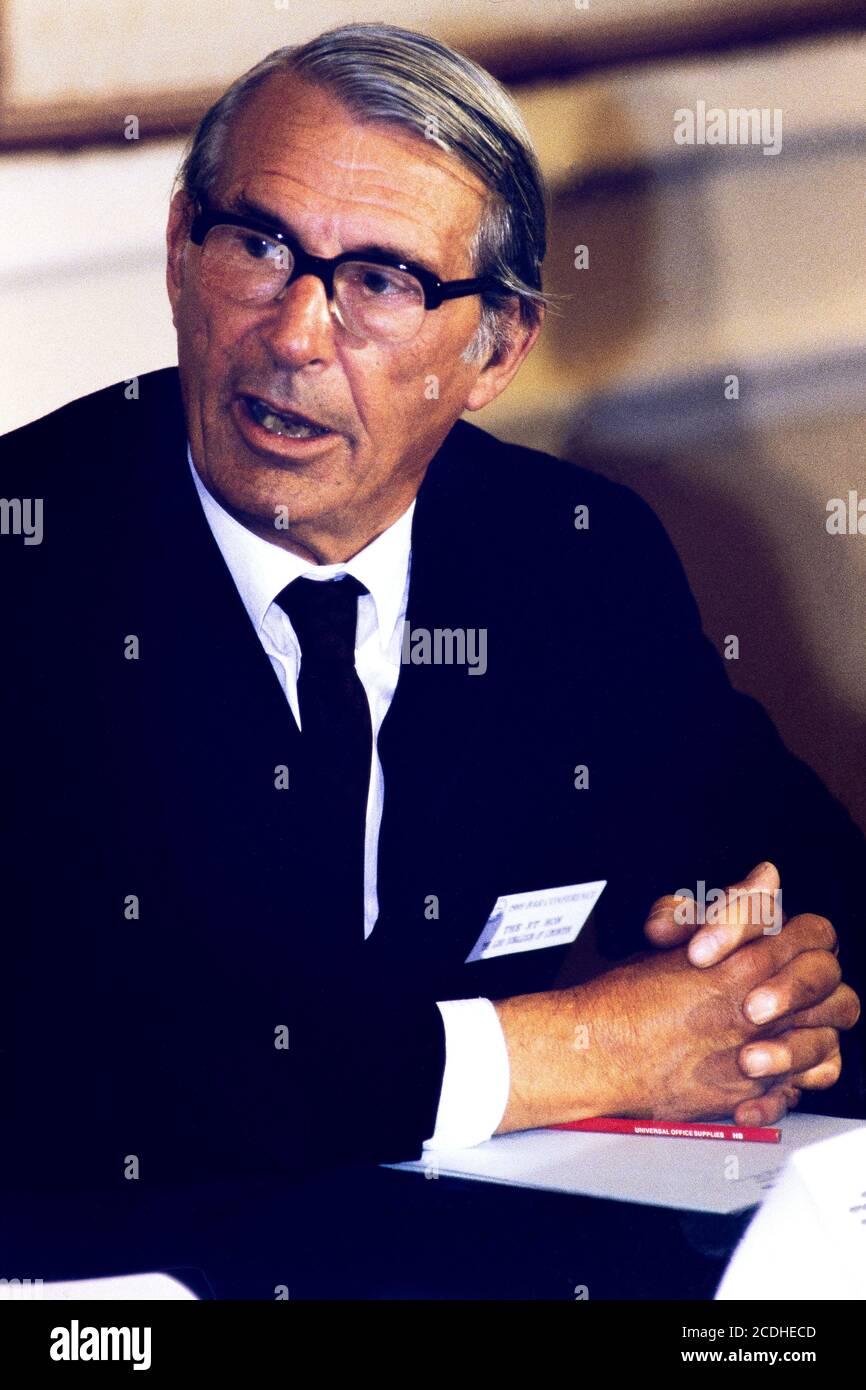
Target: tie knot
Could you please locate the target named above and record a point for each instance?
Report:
(324, 614)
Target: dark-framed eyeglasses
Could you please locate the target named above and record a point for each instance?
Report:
(372, 294)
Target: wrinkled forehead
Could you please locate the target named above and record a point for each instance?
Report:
(296, 149)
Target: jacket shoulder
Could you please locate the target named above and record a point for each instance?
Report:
(538, 493)
(92, 425)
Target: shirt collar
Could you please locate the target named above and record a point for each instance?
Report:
(262, 570)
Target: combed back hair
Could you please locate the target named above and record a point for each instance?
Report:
(382, 73)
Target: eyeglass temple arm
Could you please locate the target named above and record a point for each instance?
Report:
(456, 289)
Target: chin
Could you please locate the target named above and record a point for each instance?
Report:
(259, 493)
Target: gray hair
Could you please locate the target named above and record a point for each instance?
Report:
(380, 72)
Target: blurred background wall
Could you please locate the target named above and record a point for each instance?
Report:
(703, 263)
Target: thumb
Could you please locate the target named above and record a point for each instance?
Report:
(671, 922)
(752, 908)
(764, 878)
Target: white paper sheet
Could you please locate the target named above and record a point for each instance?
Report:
(688, 1174)
(808, 1241)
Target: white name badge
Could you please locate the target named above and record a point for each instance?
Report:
(528, 921)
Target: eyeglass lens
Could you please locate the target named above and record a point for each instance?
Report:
(373, 301)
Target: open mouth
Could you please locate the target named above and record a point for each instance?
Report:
(287, 423)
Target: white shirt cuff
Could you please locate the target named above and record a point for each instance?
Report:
(477, 1075)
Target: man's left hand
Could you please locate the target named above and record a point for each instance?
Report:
(807, 994)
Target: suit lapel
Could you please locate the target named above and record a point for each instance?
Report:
(214, 712)
(438, 851)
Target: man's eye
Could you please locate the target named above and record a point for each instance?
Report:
(374, 282)
(261, 249)
(246, 247)
(377, 284)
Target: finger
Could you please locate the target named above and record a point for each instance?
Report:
(767, 1109)
(840, 1010)
(667, 923)
(809, 979)
(759, 961)
(750, 909)
(818, 1078)
(674, 919)
(794, 1053)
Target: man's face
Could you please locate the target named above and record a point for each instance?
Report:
(337, 186)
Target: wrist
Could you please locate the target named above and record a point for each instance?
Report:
(559, 1070)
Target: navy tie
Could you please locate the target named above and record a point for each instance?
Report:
(336, 743)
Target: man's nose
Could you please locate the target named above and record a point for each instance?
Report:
(300, 328)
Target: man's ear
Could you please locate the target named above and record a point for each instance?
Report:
(176, 238)
(498, 371)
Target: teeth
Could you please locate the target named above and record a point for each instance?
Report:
(290, 426)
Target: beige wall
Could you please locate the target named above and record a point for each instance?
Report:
(85, 48)
(82, 277)
(704, 264)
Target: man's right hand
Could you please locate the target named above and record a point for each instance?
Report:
(657, 1038)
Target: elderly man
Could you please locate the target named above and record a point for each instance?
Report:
(309, 673)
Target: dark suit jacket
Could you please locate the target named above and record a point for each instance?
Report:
(154, 1035)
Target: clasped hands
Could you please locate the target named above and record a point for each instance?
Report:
(794, 995)
(730, 1017)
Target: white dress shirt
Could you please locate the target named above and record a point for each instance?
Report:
(477, 1075)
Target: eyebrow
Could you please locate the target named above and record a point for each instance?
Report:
(248, 207)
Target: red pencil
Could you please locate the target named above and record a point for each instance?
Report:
(675, 1129)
